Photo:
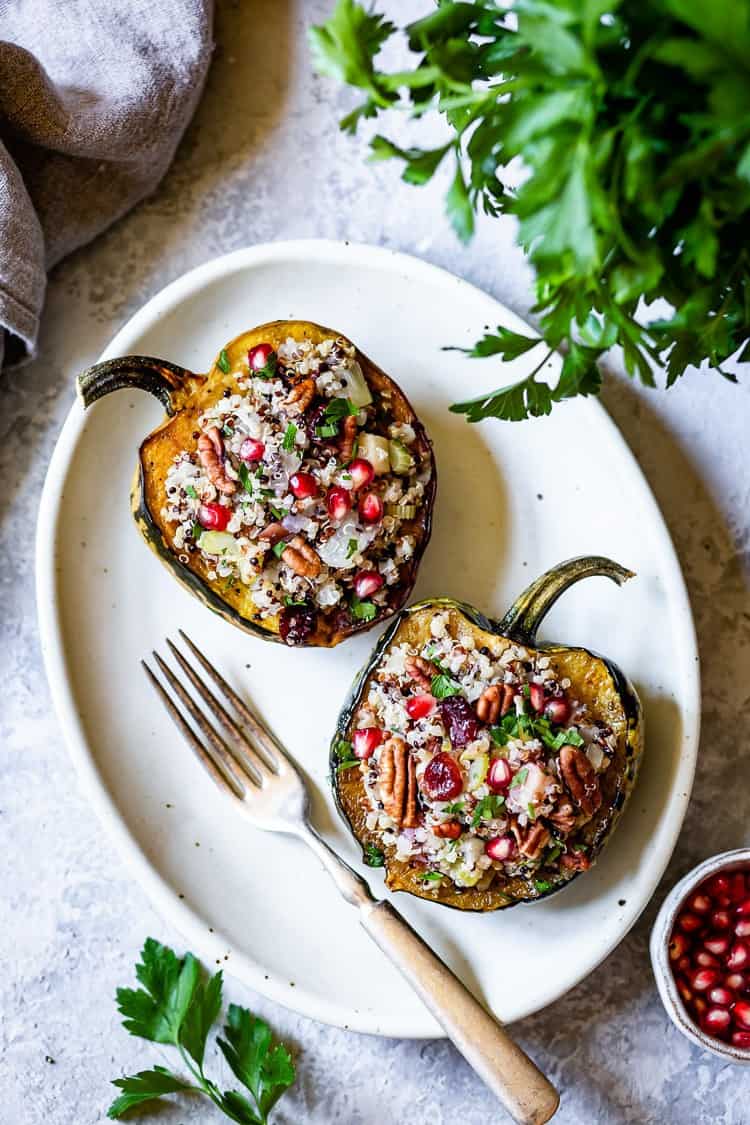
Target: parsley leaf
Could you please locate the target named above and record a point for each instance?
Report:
(279, 548)
(431, 876)
(178, 1005)
(351, 547)
(223, 362)
(362, 611)
(246, 480)
(191, 492)
(289, 438)
(632, 128)
(543, 885)
(374, 857)
(487, 808)
(444, 686)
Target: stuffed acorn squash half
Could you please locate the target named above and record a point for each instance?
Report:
(480, 768)
(290, 489)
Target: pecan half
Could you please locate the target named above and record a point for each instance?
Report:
(300, 396)
(348, 438)
(532, 839)
(563, 817)
(448, 830)
(274, 533)
(211, 457)
(398, 782)
(575, 861)
(581, 780)
(494, 702)
(300, 557)
(421, 671)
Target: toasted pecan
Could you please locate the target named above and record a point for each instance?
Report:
(421, 671)
(211, 457)
(300, 557)
(532, 839)
(563, 817)
(580, 780)
(494, 702)
(348, 438)
(398, 782)
(300, 396)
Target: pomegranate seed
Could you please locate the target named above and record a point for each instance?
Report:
(370, 508)
(706, 960)
(361, 472)
(499, 776)
(303, 485)
(700, 904)
(365, 741)
(252, 450)
(685, 993)
(717, 945)
(367, 582)
(700, 1005)
(736, 981)
(259, 356)
(739, 955)
(448, 830)
(716, 1021)
(744, 909)
(722, 997)
(737, 888)
(418, 706)
(338, 503)
(719, 885)
(723, 901)
(720, 920)
(741, 1039)
(557, 711)
(685, 965)
(500, 847)
(689, 922)
(741, 1012)
(214, 517)
(742, 928)
(536, 696)
(703, 979)
(442, 778)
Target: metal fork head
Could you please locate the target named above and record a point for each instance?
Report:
(241, 755)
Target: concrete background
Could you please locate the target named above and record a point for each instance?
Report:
(263, 160)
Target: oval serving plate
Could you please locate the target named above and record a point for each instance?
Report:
(512, 501)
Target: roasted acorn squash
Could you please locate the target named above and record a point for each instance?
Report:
(481, 813)
(290, 489)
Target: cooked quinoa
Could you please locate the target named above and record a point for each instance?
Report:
(521, 781)
(314, 512)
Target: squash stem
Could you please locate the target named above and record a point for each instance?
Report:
(523, 619)
(157, 376)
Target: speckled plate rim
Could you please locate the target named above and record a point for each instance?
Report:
(161, 894)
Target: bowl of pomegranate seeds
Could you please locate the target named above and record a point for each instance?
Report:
(700, 951)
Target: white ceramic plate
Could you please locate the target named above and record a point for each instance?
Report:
(512, 501)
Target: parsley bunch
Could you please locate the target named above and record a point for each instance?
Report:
(178, 1005)
(632, 121)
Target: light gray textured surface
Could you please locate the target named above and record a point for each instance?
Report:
(264, 161)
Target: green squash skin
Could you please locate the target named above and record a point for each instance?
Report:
(625, 779)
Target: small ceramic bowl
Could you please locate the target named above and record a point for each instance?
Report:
(660, 936)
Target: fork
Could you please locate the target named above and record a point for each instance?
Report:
(249, 764)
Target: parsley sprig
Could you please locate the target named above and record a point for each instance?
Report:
(534, 726)
(177, 1005)
(632, 121)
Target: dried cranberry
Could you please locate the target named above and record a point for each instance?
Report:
(296, 624)
(442, 779)
(460, 720)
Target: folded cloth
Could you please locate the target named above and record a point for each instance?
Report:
(94, 97)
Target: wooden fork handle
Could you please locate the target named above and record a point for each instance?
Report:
(515, 1080)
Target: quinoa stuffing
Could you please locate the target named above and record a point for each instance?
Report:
(303, 489)
(477, 762)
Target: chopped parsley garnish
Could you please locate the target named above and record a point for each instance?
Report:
(351, 547)
(223, 361)
(328, 429)
(230, 581)
(227, 430)
(542, 885)
(245, 478)
(278, 512)
(486, 809)
(339, 408)
(362, 611)
(444, 686)
(431, 876)
(526, 691)
(520, 777)
(513, 726)
(531, 811)
(345, 754)
(197, 530)
(191, 492)
(280, 548)
(552, 854)
(290, 602)
(289, 438)
(454, 809)
(373, 856)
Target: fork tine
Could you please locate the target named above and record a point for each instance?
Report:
(200, 720)
(212, 763)
(262, 735)
(246, 749)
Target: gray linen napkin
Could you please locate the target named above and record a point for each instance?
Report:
(94, 97)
